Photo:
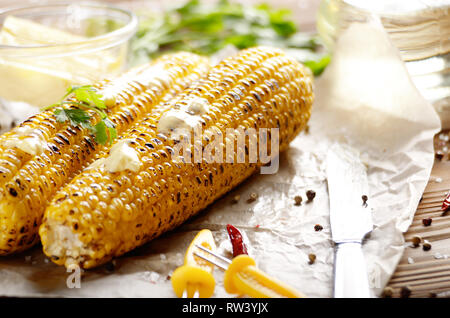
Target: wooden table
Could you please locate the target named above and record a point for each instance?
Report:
(427, 273)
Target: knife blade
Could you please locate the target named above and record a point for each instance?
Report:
(350, 219)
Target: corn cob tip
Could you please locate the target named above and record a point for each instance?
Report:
(65, 247)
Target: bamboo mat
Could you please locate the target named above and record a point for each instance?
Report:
(427, 273)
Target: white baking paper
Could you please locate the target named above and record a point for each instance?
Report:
(364, 99)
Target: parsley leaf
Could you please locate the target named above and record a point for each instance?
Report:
(318, 66)
(61, 115)
(76, 112)
(101, 135)
(205, 27)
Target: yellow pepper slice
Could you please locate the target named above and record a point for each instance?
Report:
(196, 274)
(243, 277)
(203, 238)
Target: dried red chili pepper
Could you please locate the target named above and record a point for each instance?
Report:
(427, 221)
(446, 203)
(236, 240)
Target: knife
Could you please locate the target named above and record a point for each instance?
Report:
(350, 219)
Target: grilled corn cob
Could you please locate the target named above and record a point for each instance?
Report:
(105, 212)
(41, 155)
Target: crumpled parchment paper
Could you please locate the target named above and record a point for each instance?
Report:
(364, 99)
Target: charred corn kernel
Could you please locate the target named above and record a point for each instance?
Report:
(257, 88)
(41, 155)
(244, 278)
(196, 274)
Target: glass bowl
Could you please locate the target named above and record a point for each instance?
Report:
(45, 48)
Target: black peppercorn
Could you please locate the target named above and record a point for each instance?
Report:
(235, 199)
(318, 227)
(388, 292)
(426, 246)
(310, 194)
(364, 199)
(416, 241)
(405, 292)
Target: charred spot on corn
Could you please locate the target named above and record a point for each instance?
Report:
(12, 192)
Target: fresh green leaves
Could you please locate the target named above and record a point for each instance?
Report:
(76, 117)
(87, 94)
(105, 131)
(318, 66)
(76, 112)
(206, 27)
(279, 20)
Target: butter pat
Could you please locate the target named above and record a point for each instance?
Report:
(28, 140)
(109, 99)
(121, 157)
(109, 92)
(185, 119)
(198, 106)
(33, 84)
(156, 75)
(31, 145)
(96, 164)
(43, 79)
(177, 121)
(23, 31)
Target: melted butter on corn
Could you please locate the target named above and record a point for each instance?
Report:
(198, 106)
(109, 98)
(110, 92)
(28, 140)
(158, 75)
(185, 118)
(121, 157)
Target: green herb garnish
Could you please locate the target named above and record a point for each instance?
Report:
(203, 27)
(76, 112)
